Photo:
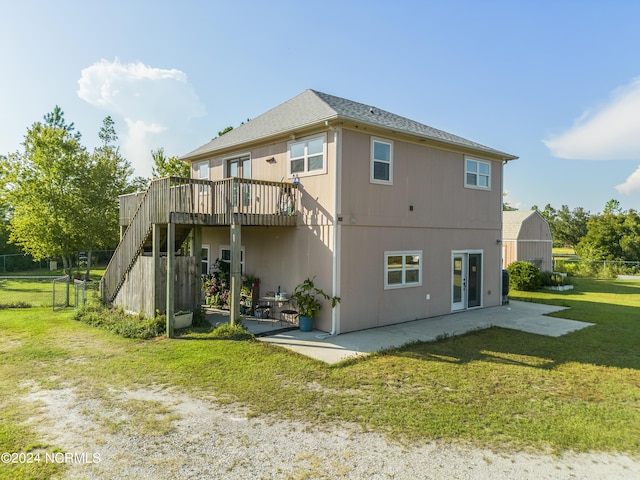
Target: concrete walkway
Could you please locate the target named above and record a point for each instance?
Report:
(523, 316)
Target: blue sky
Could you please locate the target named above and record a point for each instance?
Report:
(555, 82)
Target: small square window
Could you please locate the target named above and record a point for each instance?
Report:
(477, 174)
(201, 170)
(307, 156)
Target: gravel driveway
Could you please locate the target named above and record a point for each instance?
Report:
(179, 437)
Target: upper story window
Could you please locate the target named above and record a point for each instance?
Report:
(403, 269)
(202, 170)
(477, 174)
(307, 156)
(381, 161)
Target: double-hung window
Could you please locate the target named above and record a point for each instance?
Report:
(381, 161)
(477, 174)
(403, 269)
(202, 170)
(307, 156)
(225, 256)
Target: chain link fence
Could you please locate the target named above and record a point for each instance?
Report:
(17, 262)
(52, 291)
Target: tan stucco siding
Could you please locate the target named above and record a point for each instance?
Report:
(366, 303)
(283, 257)
(425, 178)
(270, 162)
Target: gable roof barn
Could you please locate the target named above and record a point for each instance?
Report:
(513, 221)
(313, 108)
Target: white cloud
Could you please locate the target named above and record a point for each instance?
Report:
(507, 200)
(150, 100)
(631, 184)
(610, 133)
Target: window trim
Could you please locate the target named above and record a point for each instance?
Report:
(478, 163)
(198, 166)
(207, 247)
(306, 172)
(372, 160)
(240, 156)
(243, 256)
(404, 254)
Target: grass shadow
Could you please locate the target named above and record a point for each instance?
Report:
(612, 342)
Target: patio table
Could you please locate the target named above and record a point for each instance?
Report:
(275, 302)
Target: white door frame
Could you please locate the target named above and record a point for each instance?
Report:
(460, 277)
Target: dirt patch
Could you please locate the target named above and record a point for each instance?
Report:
(158, 433)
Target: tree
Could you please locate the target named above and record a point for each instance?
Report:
(225, 130)
(164, 166)
(570, 226)
(567, 227)
(137, 184)
(505, 205)
(5, 247)
(105, 178)
(43, 189)
(612, 235)
(62, 198)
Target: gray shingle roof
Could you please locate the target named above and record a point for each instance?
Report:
(512, 222)
(312, 107)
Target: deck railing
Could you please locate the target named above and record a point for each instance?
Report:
(198, 202)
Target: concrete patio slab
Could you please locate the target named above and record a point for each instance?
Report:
(257, 327)
(523, 316)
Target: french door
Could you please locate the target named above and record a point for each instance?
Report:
(240, 168)
(466, 280)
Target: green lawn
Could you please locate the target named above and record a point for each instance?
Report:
(36, 292)
(563, 251)
(497, 388)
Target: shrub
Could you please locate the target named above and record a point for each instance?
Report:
(200, 319)
(120, 322)
(4, 306)
(524, 276)
(552, 279)
(226, 331)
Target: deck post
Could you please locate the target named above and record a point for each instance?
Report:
(155, 281)
(171, 258)
(236, 267)
(196, 251)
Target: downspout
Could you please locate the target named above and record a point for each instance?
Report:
(337, 205)
(504, 164)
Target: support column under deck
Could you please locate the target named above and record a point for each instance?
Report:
(236, 268)
(196, 251)
(171, 259)
(155, 281)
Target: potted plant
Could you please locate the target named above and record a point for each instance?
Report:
(306, 299)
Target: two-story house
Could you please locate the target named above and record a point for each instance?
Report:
(400, 220)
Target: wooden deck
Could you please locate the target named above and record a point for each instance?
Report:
(186, 202)
(204, 202)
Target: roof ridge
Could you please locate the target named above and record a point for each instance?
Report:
(313, 107)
